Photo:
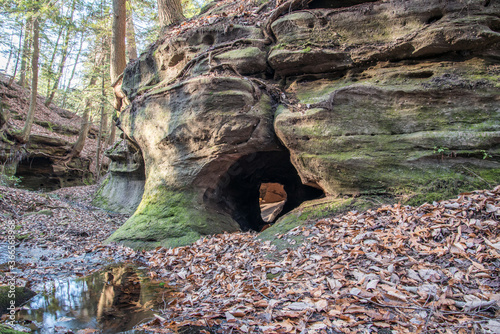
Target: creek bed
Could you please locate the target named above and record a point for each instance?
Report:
(113, 300)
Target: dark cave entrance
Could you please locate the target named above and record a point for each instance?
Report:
(37, 173)
(269, 174)
(316, 4)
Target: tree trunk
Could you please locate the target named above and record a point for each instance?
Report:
(170, 12)
(112, 134)
(85, 125)
(68, 86)
(51, 63)
(17, 58)
(11, 49)
(101, 128)
(118, 60)
(104, 121)
(3, 118)
(84, 131)
(34, 84)
(64, 56)
(131, 45)
(24, 57)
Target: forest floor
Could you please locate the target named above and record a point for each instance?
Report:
(393, 269)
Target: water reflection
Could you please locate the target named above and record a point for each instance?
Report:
(112, 301)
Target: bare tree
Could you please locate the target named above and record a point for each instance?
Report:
(131, 44)
(48, 68)
(26, 50)
(84, 131)
(17, 58)
(25, 133)
(64, 56)
(68, 86)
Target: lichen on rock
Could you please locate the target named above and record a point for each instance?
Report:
(396, 99)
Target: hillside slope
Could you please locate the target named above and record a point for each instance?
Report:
(41, 163)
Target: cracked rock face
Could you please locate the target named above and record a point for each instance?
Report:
(394, 97)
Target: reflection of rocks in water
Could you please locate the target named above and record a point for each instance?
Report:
(120, 298)
(110, 301)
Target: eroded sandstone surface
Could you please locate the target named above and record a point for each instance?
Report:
(337, 99)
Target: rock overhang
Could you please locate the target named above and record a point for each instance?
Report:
(371, 94)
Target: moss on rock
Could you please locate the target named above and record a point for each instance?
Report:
(120, 192)
(7, 330)
(170, 218)
(307, 213)
(22, 295)
(373, 90)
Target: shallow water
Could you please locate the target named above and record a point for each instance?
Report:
(113, 300)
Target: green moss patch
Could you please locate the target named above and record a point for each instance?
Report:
(7, 330)
(22, 295)
(309, 212)
(250, 52)
(170, 218)
(436, 184)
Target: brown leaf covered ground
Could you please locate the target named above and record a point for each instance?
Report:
(55, 232)
(429, 269)
(395, 269)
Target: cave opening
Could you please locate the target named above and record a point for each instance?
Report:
(37, 173)
(259, 188)
(317, 4)
(272, 199)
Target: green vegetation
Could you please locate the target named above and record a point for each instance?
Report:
(442, 151)
(310, 211)
(10, 180)
(170, 218)
(7, 330)
(486, 155)
(21, 237)
(100, 200)
(22, 296)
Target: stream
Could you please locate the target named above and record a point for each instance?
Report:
(112, 300)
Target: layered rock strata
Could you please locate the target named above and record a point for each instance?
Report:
(399, 98)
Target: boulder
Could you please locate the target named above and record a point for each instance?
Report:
(395, 130)
(122, 189)
(191, 134)
(345, 98)
(333, 40)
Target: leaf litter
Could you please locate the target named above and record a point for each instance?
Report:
(56, 233)
(393, 269)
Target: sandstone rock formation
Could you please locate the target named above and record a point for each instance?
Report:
(41, 163)
(122, 190)
(343, 98)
